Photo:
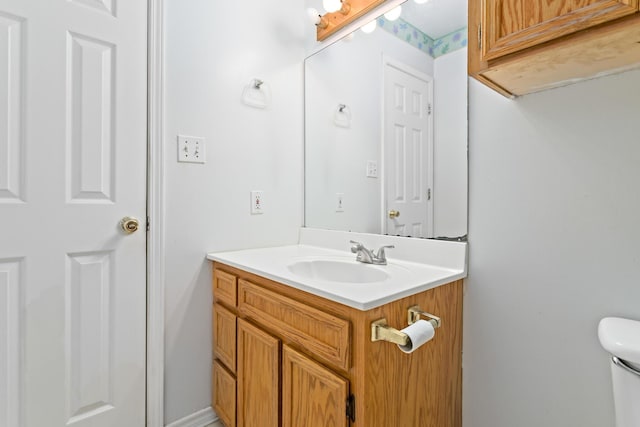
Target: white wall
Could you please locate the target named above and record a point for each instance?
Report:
(554, 232)
(213, 49)
(351, 73)
(450, 147)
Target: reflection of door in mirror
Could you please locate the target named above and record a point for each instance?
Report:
(348, 166)
(408, 151)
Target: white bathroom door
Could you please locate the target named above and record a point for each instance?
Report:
(72, 164)
(408, 151)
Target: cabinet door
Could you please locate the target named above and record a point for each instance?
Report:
(224, 336)
(312, 395)
(224, 394)
(509, 26)
(258, 377)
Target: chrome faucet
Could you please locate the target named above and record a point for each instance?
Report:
(366, 256)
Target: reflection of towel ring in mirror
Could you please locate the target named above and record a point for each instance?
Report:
(256, 94)
(342, 116)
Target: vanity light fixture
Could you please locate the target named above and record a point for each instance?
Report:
(394, 13)
(350, 16)
(256, 94)
(342, 116)
(317, 19)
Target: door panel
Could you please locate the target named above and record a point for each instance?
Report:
(408, 152)
(90, 99)
(509, 26)
(72, 164)
(11, 284)
(11, 109)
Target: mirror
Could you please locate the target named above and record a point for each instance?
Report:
(386, 126)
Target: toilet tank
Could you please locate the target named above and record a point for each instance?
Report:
(621, 338)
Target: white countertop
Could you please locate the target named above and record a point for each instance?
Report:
(406, 277)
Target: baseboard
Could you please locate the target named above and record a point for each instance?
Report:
(201, 418)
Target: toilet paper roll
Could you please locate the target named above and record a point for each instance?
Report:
(419, 333)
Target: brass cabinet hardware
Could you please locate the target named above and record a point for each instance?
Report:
(414, 313)
(381, 331)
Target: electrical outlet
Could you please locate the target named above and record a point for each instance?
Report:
(257, 203)
(339, 202)
(372, 169)
(191, 149)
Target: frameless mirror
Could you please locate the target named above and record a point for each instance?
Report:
(386, 126)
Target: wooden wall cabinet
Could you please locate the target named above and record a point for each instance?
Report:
(524, 46)
(302, 360)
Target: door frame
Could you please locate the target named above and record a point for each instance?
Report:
(155, 215)
(392, 62)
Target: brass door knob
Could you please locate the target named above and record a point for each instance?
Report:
(394, 214)
(129, 224)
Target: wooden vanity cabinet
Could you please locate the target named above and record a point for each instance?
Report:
(523, 46)
(302, 360)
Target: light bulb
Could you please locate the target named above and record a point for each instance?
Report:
(316, 19)
(370, 27)
(332, 5)
(394, 13)
(314, 16)
(420, 1)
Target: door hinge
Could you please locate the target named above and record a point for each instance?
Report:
(480, 36)
(351, 408)
(148, 223)
(429, 109)
(429, 194)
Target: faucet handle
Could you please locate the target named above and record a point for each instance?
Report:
(356, 246)
(380, 255)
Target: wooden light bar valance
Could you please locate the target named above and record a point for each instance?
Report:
(336, 20)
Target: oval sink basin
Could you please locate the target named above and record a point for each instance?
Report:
(338, 271)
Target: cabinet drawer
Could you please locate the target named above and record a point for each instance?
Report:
(224, 336)
(322, 334)
(224, 394)
(224, 287)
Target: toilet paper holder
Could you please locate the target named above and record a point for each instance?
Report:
(414, 313)
(381, 331)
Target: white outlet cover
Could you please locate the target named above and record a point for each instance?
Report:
(257, 202)
(191, 149)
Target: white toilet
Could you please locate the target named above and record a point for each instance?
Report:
(621, 338)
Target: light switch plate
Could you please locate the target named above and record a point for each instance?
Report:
(191, 149)
(372, 169)
(339, 202)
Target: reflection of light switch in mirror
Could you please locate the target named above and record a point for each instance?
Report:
(372, 169)
(339, 202)
(342, 116)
